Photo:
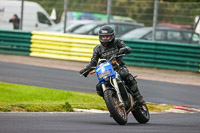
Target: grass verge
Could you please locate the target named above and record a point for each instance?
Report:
(24, 98)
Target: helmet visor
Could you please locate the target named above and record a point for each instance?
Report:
(106, 38)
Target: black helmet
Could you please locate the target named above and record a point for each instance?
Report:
(106, 35)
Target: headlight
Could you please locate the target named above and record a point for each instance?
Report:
(104, 74)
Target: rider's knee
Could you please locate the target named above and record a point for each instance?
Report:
(98, 87)
(123, 72)
(131, 80)
(99, 90)
(100, 93)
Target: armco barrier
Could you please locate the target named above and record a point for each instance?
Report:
(63, 46)
(177, 56)
(167, 55)
(15, 42)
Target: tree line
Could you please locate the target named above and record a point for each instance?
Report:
(171, 11)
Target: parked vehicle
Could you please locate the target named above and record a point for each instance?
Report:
(117, 95)
(70, 26)
(120, 27)
(164, 34)
(177, 26)
(34, 17)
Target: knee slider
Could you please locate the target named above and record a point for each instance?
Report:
(131, 80)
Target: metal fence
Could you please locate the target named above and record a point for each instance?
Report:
(141, 11)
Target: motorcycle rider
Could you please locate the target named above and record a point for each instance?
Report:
(108, 47)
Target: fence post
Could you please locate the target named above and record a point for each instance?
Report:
(155, 14)
(65, 18)
(22, 13)
(108, 10)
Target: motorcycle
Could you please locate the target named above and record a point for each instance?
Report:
(116, 94)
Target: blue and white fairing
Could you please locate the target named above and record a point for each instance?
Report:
(103, 71)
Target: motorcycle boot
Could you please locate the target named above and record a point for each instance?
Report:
(132, 84)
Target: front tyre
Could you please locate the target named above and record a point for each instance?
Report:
(118, 112)
(141, 114)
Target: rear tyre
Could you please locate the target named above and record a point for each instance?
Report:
(141, 114)
(118, 112)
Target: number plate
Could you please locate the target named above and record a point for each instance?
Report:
(104, 74)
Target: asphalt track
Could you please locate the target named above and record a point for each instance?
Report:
(153, 91)
(95, 123)
(158, 92)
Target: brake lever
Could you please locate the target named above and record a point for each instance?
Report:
(121, 55)
(114, 56)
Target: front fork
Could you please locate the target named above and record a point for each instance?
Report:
(121, 103)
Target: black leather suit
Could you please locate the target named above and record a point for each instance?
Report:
(105, 53)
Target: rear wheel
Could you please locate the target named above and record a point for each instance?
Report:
(118, 112)
(141, 114)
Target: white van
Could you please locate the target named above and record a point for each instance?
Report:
(34, 17)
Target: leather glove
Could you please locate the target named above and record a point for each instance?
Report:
(121, 51)
(84, 71)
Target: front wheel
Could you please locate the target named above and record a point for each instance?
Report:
(118, 112)
(141, 114)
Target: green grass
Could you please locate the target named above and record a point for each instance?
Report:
(14, 97)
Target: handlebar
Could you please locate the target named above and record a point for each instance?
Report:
(89, 70)
(115, 56)
(92, 68)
